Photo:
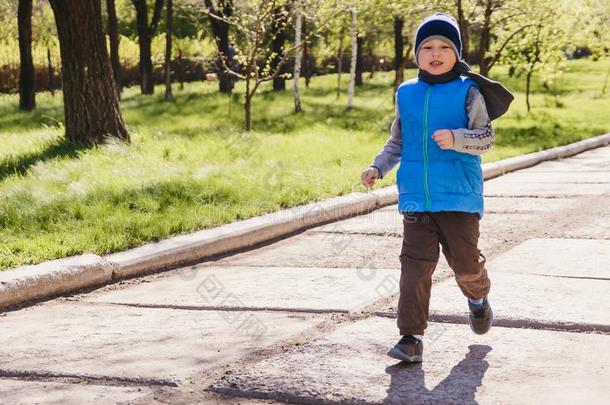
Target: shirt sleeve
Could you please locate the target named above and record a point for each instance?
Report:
(479, 137)
(390, 154)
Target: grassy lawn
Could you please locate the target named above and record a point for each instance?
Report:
(190, 167)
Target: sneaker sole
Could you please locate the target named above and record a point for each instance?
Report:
(399, 355)
(491, 322)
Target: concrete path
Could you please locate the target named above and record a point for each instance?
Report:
(309, 319)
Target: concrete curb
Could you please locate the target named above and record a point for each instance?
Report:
(53, 278)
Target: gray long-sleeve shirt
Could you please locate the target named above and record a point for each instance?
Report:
(477, 139)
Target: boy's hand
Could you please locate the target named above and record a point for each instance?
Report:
(369, 176)
(444, 138)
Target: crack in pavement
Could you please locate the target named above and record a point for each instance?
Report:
(391, 234)
(221, 308)
(283, 396)
(515, 323)
(48, 376)
(576, 277)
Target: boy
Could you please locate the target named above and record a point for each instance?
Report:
(441, 127)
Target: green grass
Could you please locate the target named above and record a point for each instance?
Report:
(190, 167)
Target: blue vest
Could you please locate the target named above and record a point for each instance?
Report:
(431, 179)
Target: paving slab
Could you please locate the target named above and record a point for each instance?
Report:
(595, 223)
(515, 366)
(551, 283)
(577, 258)
(379, 222)
(506, 186)
(390, 224)
(527, 300)
(161, 345)
(323, 249)
(501, 205)
(596, 228)
(285, 288)
(555, 177)
(51, 393)
(583, 174)
(501, 226)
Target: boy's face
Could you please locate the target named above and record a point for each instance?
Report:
(436, 57)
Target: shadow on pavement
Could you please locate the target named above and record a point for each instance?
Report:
(407, 384)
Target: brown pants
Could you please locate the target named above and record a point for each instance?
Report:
(458, 234)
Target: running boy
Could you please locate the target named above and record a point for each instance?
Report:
(441, 127)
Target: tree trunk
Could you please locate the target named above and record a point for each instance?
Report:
(352, 69)
(145, 35)
(373, 62)
(51, 73)
(359, 43)
(485, 39)
(277, 48)
(179, 69)
(91, 104)
(464, 29)
(407, 54)
(146, 67)
(398, 51)
(339, 64)
(248, 107)
(307, 68)
(297, 60)
(532, 66)
(27, 96)
(220, 29)
(113, 35)
(168, 49)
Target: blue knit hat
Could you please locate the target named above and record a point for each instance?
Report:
(439, 26)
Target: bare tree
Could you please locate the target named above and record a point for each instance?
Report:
(252, 22)
(498, 15)
(91, 104)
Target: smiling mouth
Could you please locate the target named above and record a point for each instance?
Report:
(436, 63)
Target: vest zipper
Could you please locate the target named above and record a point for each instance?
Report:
(425, 149)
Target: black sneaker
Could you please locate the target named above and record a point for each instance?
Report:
(408, 348)
(481, 317)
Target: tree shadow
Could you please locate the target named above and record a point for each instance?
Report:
(407, 384)
(17, 121)
(20, 164)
